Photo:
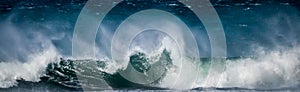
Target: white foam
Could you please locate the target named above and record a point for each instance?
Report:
(275, 69)
(31, 70)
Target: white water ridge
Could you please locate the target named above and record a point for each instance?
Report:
(269, 70)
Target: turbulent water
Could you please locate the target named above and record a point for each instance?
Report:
(263, 50)
(275, 70)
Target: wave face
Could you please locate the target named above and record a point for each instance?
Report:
(36, 38)
(64, 72)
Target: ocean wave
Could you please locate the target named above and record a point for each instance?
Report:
(267, 70)
(31, 70)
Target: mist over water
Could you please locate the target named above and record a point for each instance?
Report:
(265, 36)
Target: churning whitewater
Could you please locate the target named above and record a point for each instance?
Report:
(267, 70)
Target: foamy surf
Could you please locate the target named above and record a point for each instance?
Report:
(31, 70)
(279, 68)
(268, 70)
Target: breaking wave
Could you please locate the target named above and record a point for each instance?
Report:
(31, 70)
(268, 70)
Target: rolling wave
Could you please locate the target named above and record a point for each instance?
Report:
(268, 70)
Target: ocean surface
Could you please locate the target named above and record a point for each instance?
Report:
(262, 42)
